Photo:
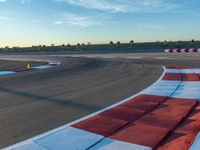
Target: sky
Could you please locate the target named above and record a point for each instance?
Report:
(35, 22)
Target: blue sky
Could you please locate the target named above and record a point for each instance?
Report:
(33, 22)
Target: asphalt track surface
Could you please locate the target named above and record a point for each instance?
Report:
(17, 65)
(37, 101)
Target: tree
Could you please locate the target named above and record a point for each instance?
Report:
(89, 43)
(69, 45)
(111, 44)
(52, 45)
(192, 41)
(83, 45)
(118, 43)
(165, 43)
(7, 49)
(78, 45)
(131, 43)
(14, 48)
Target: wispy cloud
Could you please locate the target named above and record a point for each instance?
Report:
(35, 21)
(79, 20)
(4, 18)
(151, 26)
(3, 1)
(21, 1)
(57, 23)
(125, 5)
(25, 1)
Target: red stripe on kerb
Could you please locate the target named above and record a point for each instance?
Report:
(22, 70)
(101, 125)
(144, 102)
(192, 124)
(181, 77)
(190, 77)
(145, 120)
(176, 106)
(48, 64)
(172, 76)
(171, 67)
(152, 128)
(157, 119)
(180, 102)
(123, 113)
(145, 106)
(177, 67)
(196, 113)
(177, 141)
(148, 98)
(142, 134)
(185, 134)
(166, 118)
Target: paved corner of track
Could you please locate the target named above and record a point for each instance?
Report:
(140, 122)
(42, 67)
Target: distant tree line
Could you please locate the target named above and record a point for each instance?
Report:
(111, 45)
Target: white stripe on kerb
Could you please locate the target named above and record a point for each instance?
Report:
(196, 144)
(42, 67)
(163, 88)
(54, 63)
(30, 146)
(189, 90)
(6, 72)
(183, 71)
(111, 144)
(172, 70)
(69, 139)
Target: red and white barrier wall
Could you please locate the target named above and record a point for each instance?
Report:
(183, 50)
(165, 116)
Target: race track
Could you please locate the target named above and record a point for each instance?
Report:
(37, 101)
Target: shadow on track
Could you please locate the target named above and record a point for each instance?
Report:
(61, 102)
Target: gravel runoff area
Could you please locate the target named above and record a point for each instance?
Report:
(7, 65)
